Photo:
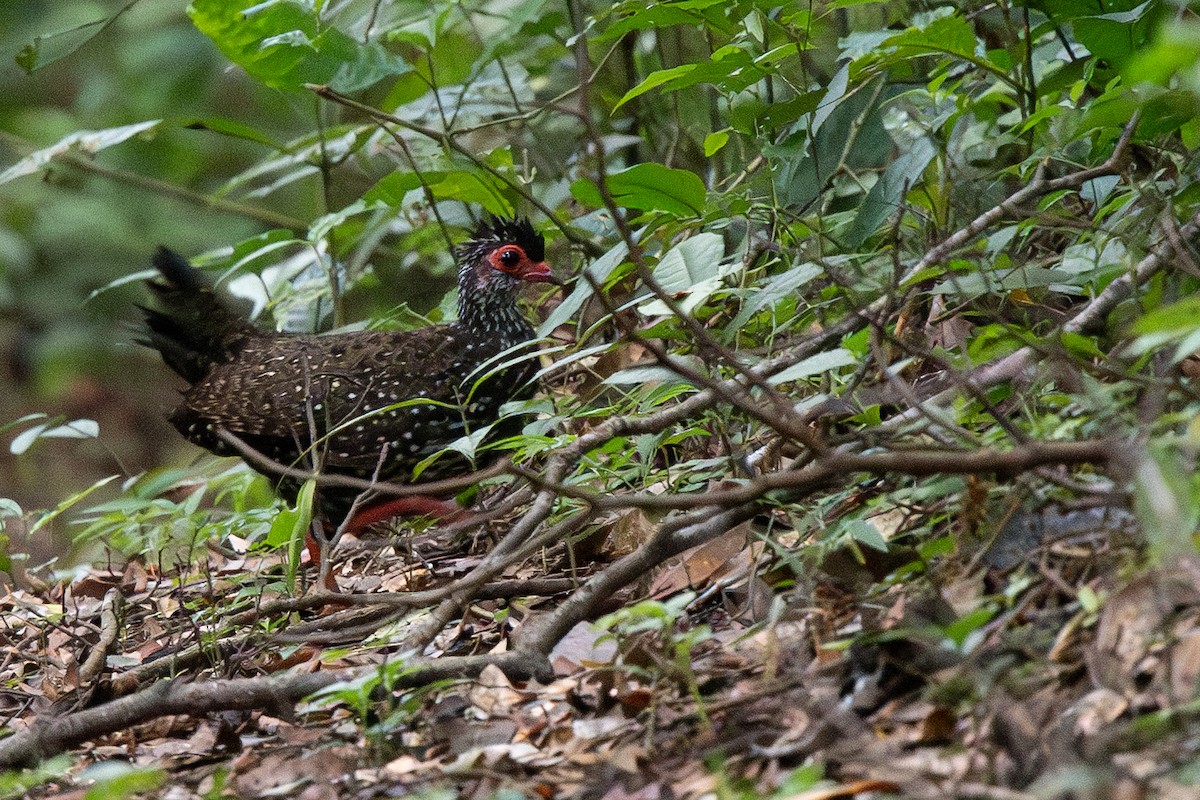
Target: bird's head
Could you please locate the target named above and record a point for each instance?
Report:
(502, 252)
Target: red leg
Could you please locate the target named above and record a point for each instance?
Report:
(417, 505)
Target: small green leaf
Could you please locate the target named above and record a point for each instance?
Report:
(864, 532)
(1080, 345)
(392, 188)
(114, 780)
(233, 129)
(714, 142)
(814, 365)
(301, 520)
(44, 50)
(1180, 316)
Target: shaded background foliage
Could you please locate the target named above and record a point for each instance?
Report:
(838, 137)
(738, 178)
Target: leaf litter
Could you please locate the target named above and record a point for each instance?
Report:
(742, 668)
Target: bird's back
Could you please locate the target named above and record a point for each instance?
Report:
(362, 403)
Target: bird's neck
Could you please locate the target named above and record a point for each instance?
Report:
(490, 312)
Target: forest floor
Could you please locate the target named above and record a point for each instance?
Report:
(1040, 657)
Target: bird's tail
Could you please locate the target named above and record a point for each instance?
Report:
(191, 327)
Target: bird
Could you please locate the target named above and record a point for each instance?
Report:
(368, 404)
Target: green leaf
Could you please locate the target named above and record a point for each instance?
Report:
(714, 142)
(1176, 48)
(731, 68)
(473, 187)
(233, 129)
(1183, 315)
(667, 15)
(291, 528)
(599, 270)
(864, 532)
(950, 35)
(814, 365)
(65, 505)
(959, 630)
(780, 286)
(282, 45)
(44, 50)
(884, 198)
(115, 780)
(691, 271)
(392, 188)
(1080, 345)
(651, 373)
(649, 187)
(691, 262)
(1116, 36)
(83, 141)
(1005, 280)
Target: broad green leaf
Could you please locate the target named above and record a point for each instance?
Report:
(884, 198)
(473, 187)
(599, 270)
(690, 272)
(1176, 48)
(649, 187)
(690, 262)
(949, 35)
(282, 44)
(1183, 315)
(392, 188)
(845, 126)
(1118, 35)
(814, 365)
(116, 780)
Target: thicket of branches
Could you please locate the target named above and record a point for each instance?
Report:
(826, 262)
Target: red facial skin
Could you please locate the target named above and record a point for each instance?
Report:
(511, 260)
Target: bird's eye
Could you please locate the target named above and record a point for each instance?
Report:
(510, 257)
